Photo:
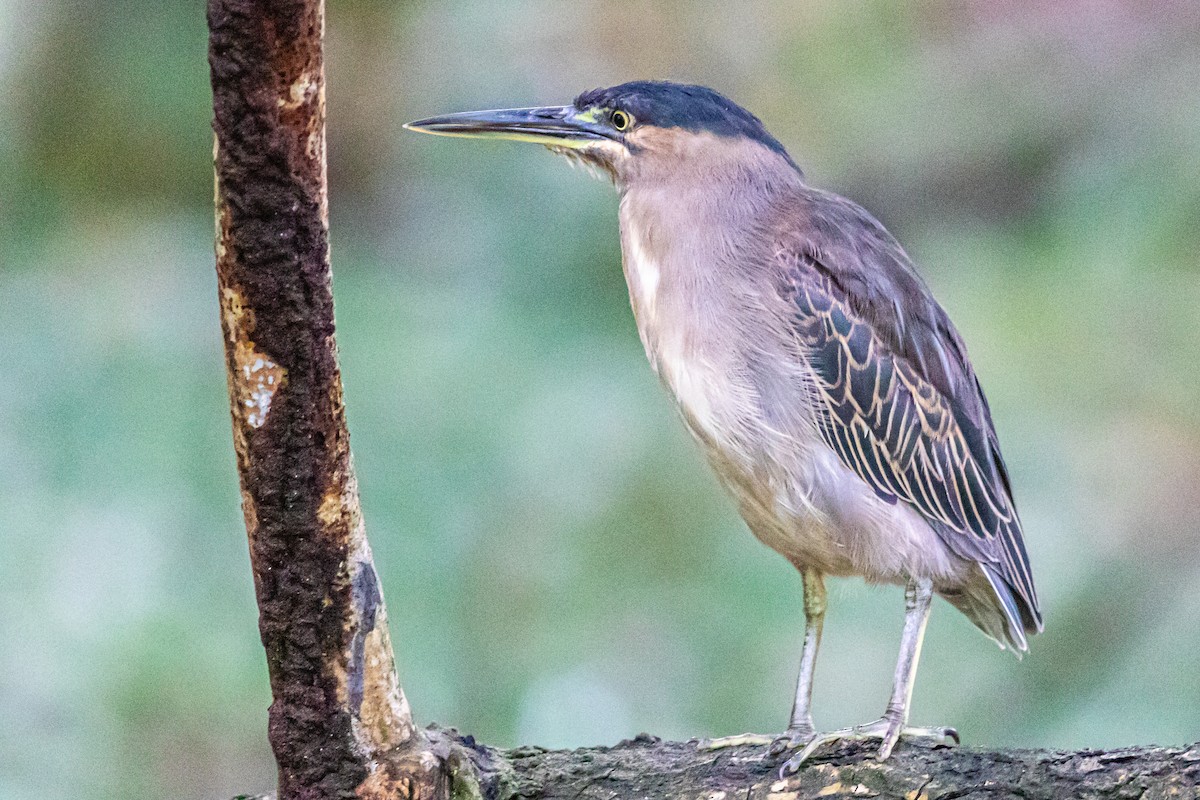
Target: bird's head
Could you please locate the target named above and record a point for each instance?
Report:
(638, 130)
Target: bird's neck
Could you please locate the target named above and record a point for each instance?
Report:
(686, 237)
(701, 192)
(684, 220)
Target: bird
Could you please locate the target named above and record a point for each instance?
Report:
(827, 388)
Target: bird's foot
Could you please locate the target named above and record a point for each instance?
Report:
(887, 730)
(793, 738)
(754, 739)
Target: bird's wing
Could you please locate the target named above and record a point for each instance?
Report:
(899, 403)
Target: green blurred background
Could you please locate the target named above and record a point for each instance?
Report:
(560, 567)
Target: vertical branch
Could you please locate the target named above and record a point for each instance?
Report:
(339, 721)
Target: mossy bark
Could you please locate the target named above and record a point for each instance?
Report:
(648, 769)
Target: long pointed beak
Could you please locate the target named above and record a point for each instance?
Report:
(556, 126)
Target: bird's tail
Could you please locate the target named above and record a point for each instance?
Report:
(988, 601)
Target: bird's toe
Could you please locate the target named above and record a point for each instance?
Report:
(891, 735)
(887, 730)
(938, 736)
(793, 764)
(791, 739)
(740, 740)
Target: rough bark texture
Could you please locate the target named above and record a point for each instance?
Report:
(339, 722)
(648, 769)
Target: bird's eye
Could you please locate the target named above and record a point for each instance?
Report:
(621, 121)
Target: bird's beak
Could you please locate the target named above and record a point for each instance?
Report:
(555, 126)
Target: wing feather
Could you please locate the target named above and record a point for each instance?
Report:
(907, 415)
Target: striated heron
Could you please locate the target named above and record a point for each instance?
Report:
(829, 391)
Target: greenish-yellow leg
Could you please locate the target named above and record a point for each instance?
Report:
(893, 725)
(800, 728)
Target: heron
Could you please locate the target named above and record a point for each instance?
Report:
(827, 388)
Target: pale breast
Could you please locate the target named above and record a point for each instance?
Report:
(680, 352)
(745, 401)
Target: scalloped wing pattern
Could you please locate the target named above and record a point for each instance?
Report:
(898, 433)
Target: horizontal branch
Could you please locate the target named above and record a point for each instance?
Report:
(648, 768)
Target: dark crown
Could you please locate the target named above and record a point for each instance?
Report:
(677, 105)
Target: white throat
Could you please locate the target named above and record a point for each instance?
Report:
(643, 273)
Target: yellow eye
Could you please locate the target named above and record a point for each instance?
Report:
(621, 121)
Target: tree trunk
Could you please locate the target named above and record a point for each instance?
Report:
(339, 721)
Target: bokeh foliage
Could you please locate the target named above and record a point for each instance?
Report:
(560, 567)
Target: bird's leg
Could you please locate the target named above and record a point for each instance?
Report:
(800, 729)
(814, 618)
(918, 595)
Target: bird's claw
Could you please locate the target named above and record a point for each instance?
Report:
(790, 740)
(888, 731)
